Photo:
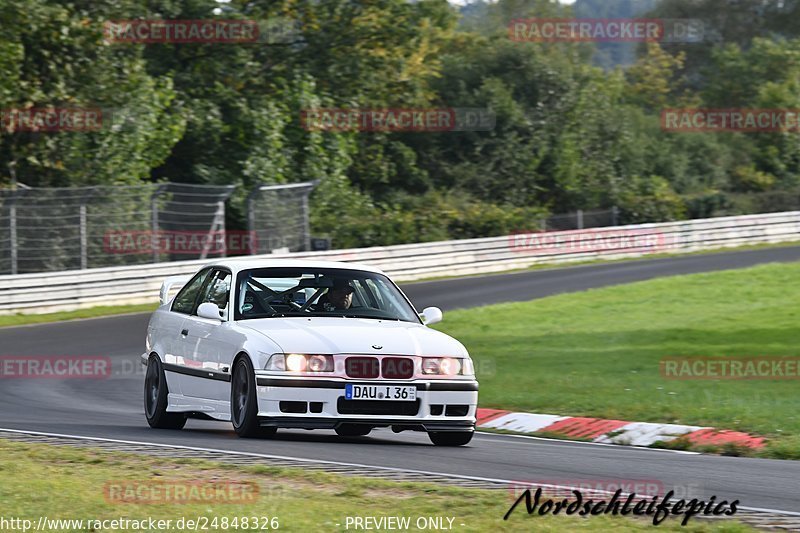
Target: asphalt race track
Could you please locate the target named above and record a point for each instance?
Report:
(112, 408)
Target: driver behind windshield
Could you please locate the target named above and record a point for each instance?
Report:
(340, 296)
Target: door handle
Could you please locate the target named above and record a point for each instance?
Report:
(184, 332)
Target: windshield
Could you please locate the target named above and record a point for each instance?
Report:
(307, 292)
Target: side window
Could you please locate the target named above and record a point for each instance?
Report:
(184, 301)
(217, 289)
(388, 303)
(375, 294)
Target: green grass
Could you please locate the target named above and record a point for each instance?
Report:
(596, 353)
(61, 482)
(90, 312)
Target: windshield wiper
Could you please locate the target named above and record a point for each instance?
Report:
(371, 317)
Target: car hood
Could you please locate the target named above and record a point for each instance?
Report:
(333, 335)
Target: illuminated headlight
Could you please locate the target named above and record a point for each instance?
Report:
(295, 362)
(443, 366)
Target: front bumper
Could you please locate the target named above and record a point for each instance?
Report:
(441, 405)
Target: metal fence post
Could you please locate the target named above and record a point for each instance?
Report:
(218, 225)
(251, 220)
(306, 224)
(154, 222)
(221, 218)
(579, 218)
(614, 216)
(84, 260)
(12, 227)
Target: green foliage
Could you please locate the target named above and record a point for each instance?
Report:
(649, 200)
(567, 135)
(54, 55)
(434, 216)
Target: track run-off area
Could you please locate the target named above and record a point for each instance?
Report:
(110, 410)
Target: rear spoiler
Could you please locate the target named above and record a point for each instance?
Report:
(169, 283)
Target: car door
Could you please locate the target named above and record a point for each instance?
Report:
(170, 327)
(206, 343)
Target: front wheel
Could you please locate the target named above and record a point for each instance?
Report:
(244, 403)
(155, 398)
(451, 438)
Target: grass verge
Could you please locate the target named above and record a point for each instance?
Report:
(90, 312)
(596, 353)
(70, 483)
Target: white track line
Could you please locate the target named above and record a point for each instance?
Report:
(319, 461)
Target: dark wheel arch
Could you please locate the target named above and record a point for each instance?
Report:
(244, 399)
(155, 397)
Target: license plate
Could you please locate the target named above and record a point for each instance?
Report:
(379, 392)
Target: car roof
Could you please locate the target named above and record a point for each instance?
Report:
(238, 264)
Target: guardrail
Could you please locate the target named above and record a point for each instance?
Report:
(68, 290)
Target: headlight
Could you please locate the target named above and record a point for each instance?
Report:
(443, 366)
(295, 362)
(320, 363)
(430, 365)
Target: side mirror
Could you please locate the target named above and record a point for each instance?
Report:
(431, 315)
(210, 311)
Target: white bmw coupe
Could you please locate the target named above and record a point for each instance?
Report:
(270, 344)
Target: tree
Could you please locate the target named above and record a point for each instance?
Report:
(54, 56)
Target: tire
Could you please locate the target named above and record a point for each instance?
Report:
(352, 430)
(244, 403)
(451, 438)
(155, 398)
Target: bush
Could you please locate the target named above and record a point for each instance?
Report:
(433, 216)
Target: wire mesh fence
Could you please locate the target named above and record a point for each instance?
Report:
(278, 217)
(53, 229)
(581, 219)
(50, 229)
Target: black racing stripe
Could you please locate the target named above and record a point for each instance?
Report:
(197, 372)
(470, 386)
(304, 383)
(328, 384)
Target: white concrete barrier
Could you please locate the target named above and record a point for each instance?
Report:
(74, 289)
